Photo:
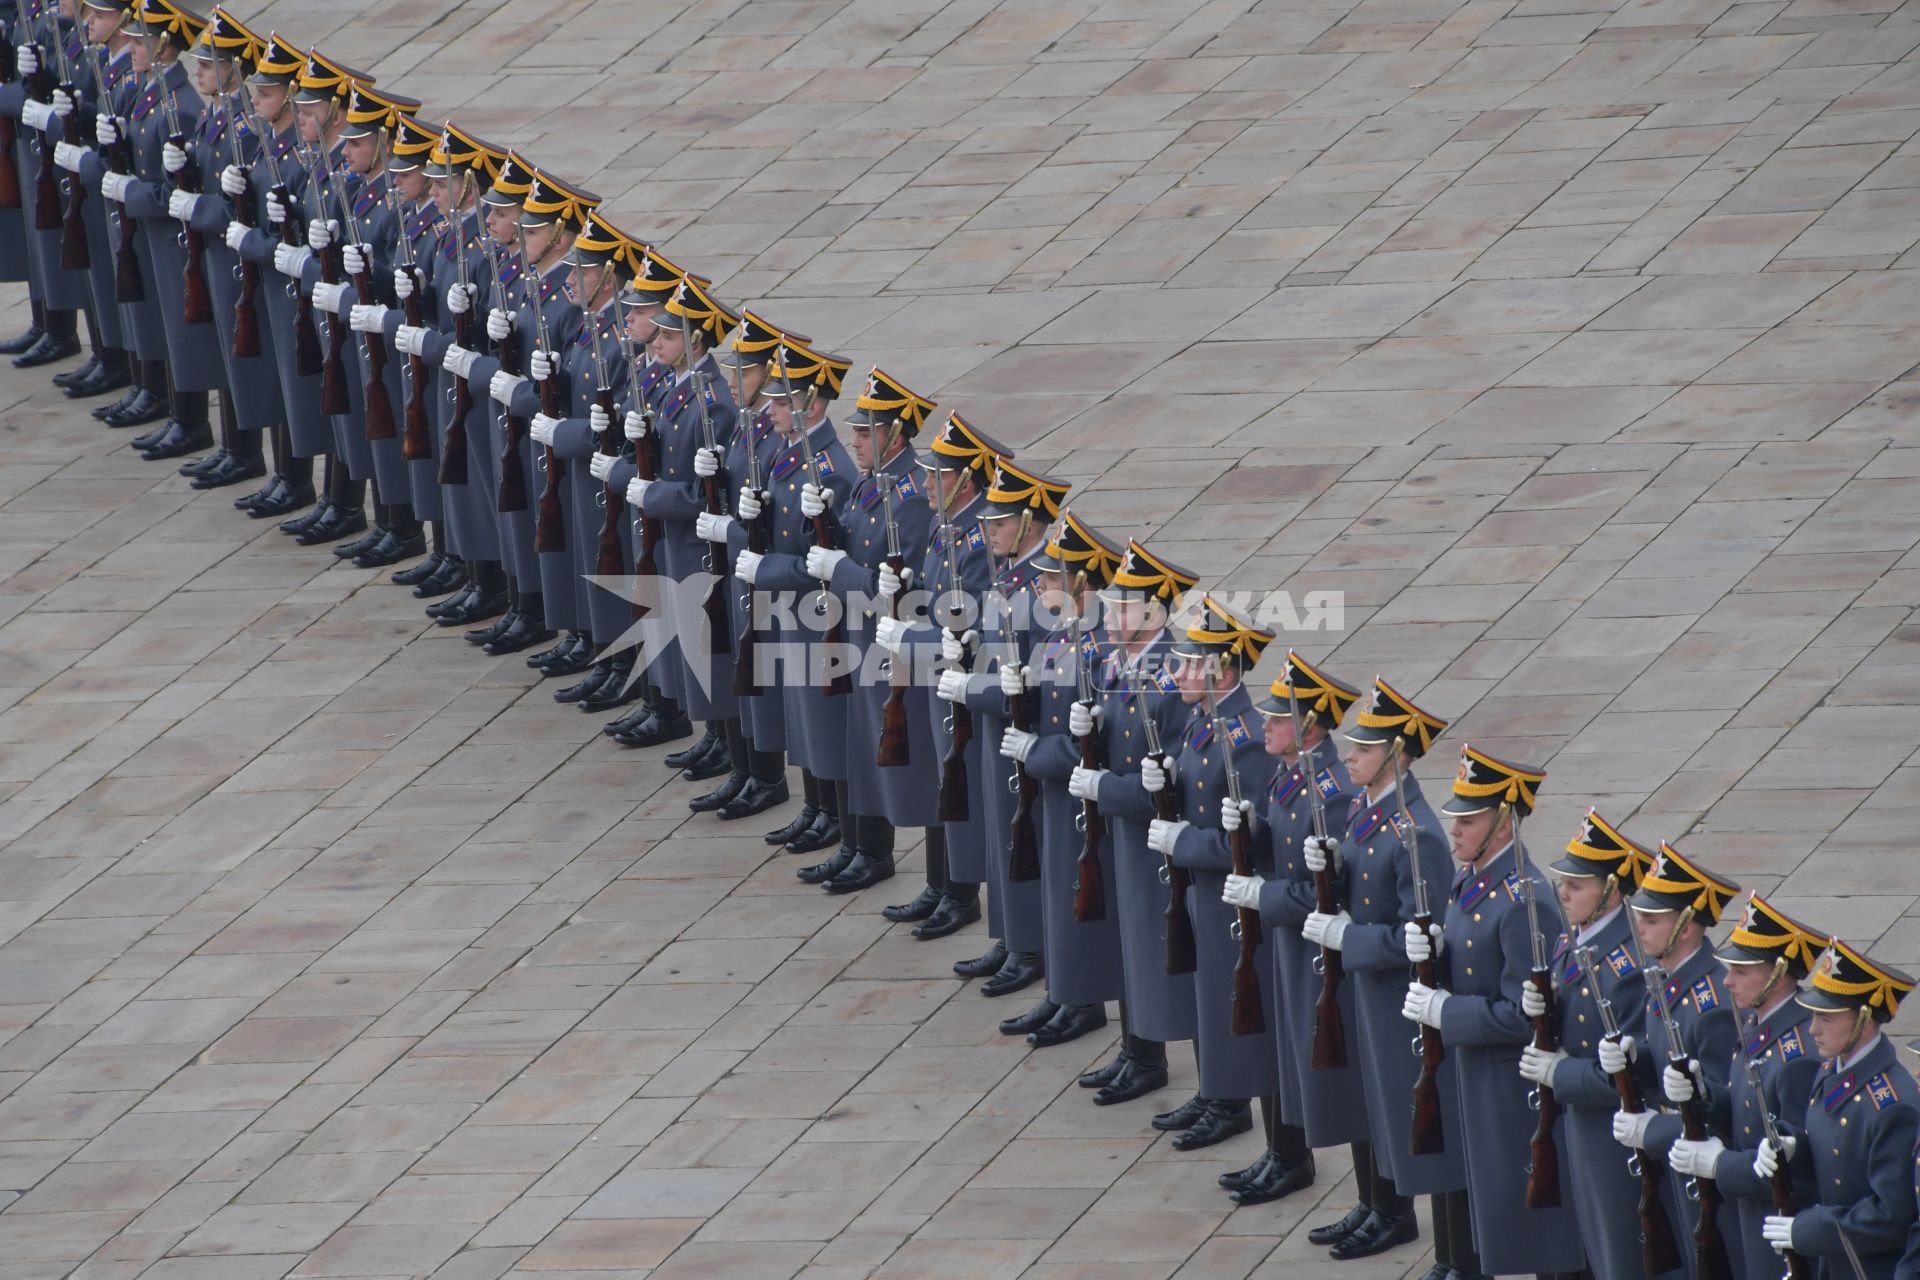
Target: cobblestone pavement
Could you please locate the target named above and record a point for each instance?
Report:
(1572, 340)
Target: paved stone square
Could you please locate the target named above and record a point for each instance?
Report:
(1574, 341)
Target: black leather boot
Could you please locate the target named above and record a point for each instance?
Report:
(1143, 1070)
(48, 350)
(821, 872)
(444, 579)
(338, 522)
(1022, 970)
(865, 871)
(598, 674)
(1379, 1233)
(983, 966)
(1184, 1116)
(757, 796)
(949, 917)
(1223, 1119)
(1280, 1178)
(710, 763)
(823, 834)
(1334, 1232)
(719, 796)
(801, 821)
(1070, 1023)
(619, 689)
(80, 372)
(1032, 1020)
(708, 740)
(111, 375)
(919, 909)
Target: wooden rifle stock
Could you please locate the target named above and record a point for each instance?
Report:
(47, 214)
(513, 469)
(1710, 1261)
(1427, 1138)
(1786, 1205)
(1023, 864)
(74, 252)
(333, 372)
(894, 752)
(198, 306)
(416, 444)
(246, 316)
(1181, 957)
(1090, 887)
(719, 623)
(1543, 1169)
(453, 452)
(380, 423)
(1249, 1019)
(9, 176)
(1659, 1247)
(746, 680)
(1329, 1027)
(953, 767)
(835, 638)
(608, 563)
(550, 521)
(646, 548)
(307, 357)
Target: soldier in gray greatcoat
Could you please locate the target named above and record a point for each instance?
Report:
(1316, 1107)
(886, 526)
(1499, 918)
(58, 295)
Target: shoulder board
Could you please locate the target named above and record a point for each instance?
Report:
(1705, 995)
(1163, 680)
(905, 487)
(1237, 732)
(1089, 647)
(1326, 784)
(1791, 1045)
(1880, 1091)
(1620, 961)
(825, 462)
(1513, 886)
(975, 539)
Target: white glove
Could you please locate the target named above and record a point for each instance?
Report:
(821, 562)
(68, 156)
(706, 462)
(62, 107)
(890, 634)
(114, 186)
(502, 386)
(600, 465)
(236, 235)
(1616, 1054)
(1084, 784)
(402, 283)
(1163, 835)
(276, 212)
(1154, 776)
(634, 425)
(637, 493)
(289, 261)
(233, 180)
(409, 340)
(37, 115)
(709, 527)
(814, 500)
(173, 159)
(353, 260)
(1677, 1084)
(321, 235)
(499, 324)
(1242, 891)
(1328, 931)
(1082, 717)
(1320, 853)
(598, 419)
(106, 130)
(1423, 944)
(1777, 1230)
(460, 299)
(1630, 1128)
(540, 366)
(1538, 1065)
(746, 566)
(1422, 1005)
(459, 361)
(953, 648)
(1768, 1159)
(1017, 744)
(328, 297)
(1696, 1159)
(748, 507)
(1532, 1003)
(1013, 679)
(181, 204)
(26, 60)
(951, 687)
(369, 319)
(542, 428)
(1234, 816)
(892, 583)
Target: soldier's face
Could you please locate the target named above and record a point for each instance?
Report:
(1745, 982)
(861, 446)
(1192, 676)
(1475, 836)
(1652, 928)
(101, 24)
(1580, 896)
(313, 120)
(1000, 535)
(1833, 1033)
(668, 345)
(779, 414)
(269, 101)
(362, 154)
(141, 56)
(1366, 762)
(442, 194)
(503, 221)
(752, 378)
(411, 184)
(206, 76)
(1278, 738)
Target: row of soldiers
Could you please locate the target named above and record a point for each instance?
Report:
(619, 466)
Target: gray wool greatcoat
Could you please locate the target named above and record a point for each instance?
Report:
(222, 139)
(1488, 957)
(1231, 1066)
(564, 602)
(605, 614)
(58, 289)
(102, 216)
(762, 715)
(1781, 1047)
(1861, 1129)
(1329, 1105)
(1005, 637)
(310, 430)
(421, 228)
(816, 724)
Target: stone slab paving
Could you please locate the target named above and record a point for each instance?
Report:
(1573, 341)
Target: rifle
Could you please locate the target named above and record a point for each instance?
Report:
(894, 753)
(1781, 1184)
(127, 285)
(1329, 1028)
(373, 354)
(198, 306)
(453, 451)
(39, 87)
(333, 370)
(1180, 945)
(746, 683)
(824, 535)
(646, 530)
(1543, 1168)
(74, 253)
(953, 805)
(1427, 1137)
(1709, 1246)
(549, 520)
(1089, 888)
(9, 134)
(716, 490)
(513, 472)
(417, 442)
(607, 562)
(1248, 1019)
(1023, 863)
(246, 211)
(1659, 1249)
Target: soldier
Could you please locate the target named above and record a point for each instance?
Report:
(1496, 923)
(59, 295)
(1860, 1130)
(1678, 902)
(1766, 957)
(801, 384)
(1019, 506)
(1222, 761)
(887, 519)
(1392, 857)
(1082, 928)
(1600, 870)
(959, 468)
(1317, 1105)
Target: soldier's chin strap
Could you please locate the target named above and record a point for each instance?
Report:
(1612, 893)
(1779, 972)
(1862, 1019)
(1680, 921)
(1499, 816)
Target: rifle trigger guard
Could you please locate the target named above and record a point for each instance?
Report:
(1693, 1189)
(239, 273)
(1080, 822)
(1166, 873)
(1533, 1102)
(600, 497)
(1013, 784)
(1319, 963)
(1417, 1046)
(1233, 930)
(1633, 1164)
